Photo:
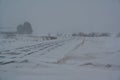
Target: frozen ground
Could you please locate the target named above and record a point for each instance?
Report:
(62, 59)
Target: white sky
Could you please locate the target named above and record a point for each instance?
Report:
(48, 16)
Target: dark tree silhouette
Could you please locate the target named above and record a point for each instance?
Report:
(20, 29)
(26, 28)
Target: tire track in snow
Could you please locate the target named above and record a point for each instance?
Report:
(40, 47)
(70, 53)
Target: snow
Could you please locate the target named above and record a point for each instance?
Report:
(71, 58)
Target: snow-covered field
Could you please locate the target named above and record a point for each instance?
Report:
(71, 58)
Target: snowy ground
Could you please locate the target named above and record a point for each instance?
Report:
(75, 58)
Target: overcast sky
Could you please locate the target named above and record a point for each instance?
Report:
(48, 16)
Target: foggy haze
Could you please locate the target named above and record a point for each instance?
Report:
(48, 16)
